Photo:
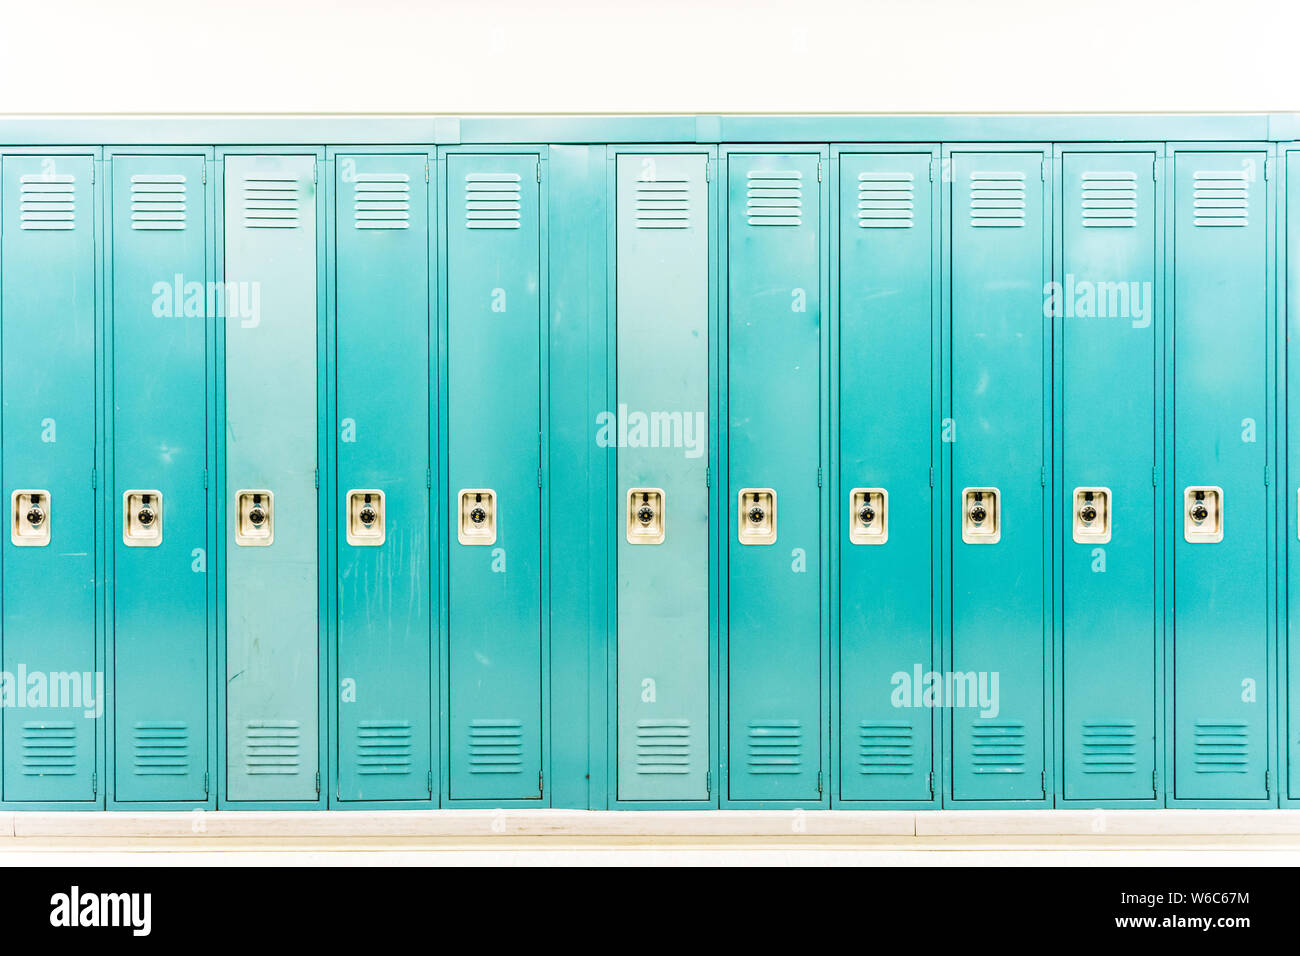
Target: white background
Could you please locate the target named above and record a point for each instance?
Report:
(507, 56)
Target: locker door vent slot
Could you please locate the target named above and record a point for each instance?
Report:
(1110, 199)
(663, 204)
(998, 748)
(381, 201)
(47, 201)
(271, 202)
(647, 515)
(775, 746)
(272, 747)
(493, 200)
(885, 200)
(1109, 746)
(869, 516)
(1203, 514)
(158, 202)
(757, 516)
(384, 747)
(886, 747)
(162, 748)
(49, 749)
(774, 197)
(1221, 197)
(1222, 746)
(997, 198)
(31, 518)
(663, 746)
(496, 746)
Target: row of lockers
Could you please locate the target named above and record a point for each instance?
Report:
(647, 476)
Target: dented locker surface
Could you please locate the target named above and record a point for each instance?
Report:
(271, 506)
(1221, 639)
(494, 466)
(1104, 302)
(386, 598)
(887, 260)
(997, 443)
(48, 310)
(662, 438)
(161, 314)
(775, 652)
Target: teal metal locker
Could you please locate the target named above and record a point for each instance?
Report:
(385, 590)
(47, 279)
(1105, 307)
(1219, 500)
(272, 598)
(1291, 487)
(161, 314)
(884, 500)
(494, 466)
(661, 431)
(775, 653)
(996, 695)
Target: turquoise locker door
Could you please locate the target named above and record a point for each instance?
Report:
(385, 615)
(494, 452)
(272, 638)
(774, 657)
(999, 410)
(160, 437)
(662, 435)
(1291, 528)
(1221, 596)
(1106, 308)
(49, 395)
(886, 425)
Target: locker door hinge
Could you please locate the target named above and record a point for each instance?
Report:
(316, 476)
(205, 477)
(1268, 781)
(429, 781)
(931, 781)
(1266, 475)
(94, 784)
(205, 783)
(203, 170)
(1155, 783)
(318, 783)
(819, 783)
(1268, 168)
(1155, 168)
(932, 476)
(539, 170)
(428, 477)
(1042, 475)
(819, 477)
(1042, 170)
(934, 168)
(541, 781)
(1153, 476)
(94, 478)
(314, 179)
(819, 170)
(708, 781)
(708, 477)
(708, 170)
(1042, 782)
(426, 172)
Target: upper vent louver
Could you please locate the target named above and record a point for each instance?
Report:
(382, 201)
(774, 197)
(1110, 199)
(1221, 197)
(47, 201)
(997, 198)
(493, 200)
(271, 202)
(158, 202)
(663, 204)
(885, 200)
